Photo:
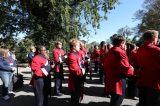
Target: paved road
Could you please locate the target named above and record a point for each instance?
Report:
(93, 94)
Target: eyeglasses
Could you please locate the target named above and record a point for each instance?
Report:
(42, 50)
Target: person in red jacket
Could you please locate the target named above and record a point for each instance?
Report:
(41, 78)
(76, 72)
(101, 65)
(82, 52)
(148, 58)
(96, 58)
(83, 48)
(58, 56)
(132, 90)
(117, 66)
(106, 49)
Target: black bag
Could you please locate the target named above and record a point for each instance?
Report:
(17, 80)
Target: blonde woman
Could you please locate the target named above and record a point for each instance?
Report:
(7, 66)
(76, 72)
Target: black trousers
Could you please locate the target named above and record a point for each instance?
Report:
(4, 90)
(87, 71)
(41, 90)
(116, 100)
(75, 95)
(58, 83)
(101, 75)
(149, 97)
(75, 98)
(132, 90)
(96, 66)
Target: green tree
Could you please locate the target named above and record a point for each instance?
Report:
(23, 49)
(125, 31)
(8, 42)
(149, 16)
(45, 20)
(91, 45)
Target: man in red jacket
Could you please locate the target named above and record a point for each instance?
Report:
(148, 58)
(58, 56)
(76, 72)
(117, 66)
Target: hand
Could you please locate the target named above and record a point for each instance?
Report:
(65, 56)
(132, 68)
(52, 66)
(47, 56)
(29, 65)
(82, 62)
(13, 69)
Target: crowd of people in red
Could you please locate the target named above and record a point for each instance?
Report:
(120, 66)
(123, 68)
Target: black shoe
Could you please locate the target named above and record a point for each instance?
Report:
(135, 98)
(108, 96)
(102, 83)
(58, 94)
(90, 78)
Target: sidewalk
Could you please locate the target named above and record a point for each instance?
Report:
(93, 94)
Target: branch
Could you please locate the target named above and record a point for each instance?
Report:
(75, 2)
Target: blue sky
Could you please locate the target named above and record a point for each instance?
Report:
(121, 16)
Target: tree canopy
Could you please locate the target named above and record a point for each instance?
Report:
(45, 20)
(149, 16)
(125, 31)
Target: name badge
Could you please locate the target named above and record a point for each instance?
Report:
(60, 59)
(10, 64)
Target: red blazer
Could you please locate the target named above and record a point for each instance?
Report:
(56, 54)
(117, 63)
(134, 62)
(74, 68)
(148, 58)
(36, 64)
(81, 55)
(96, 54)
(84, 50)
(102, 56)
